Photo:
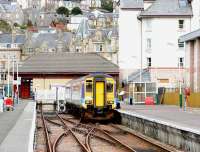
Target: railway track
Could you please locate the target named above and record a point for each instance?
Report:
(64, 133)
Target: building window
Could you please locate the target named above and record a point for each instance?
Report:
(181, 24)
(8, 45)
(101, 48)
(148, 43)
(181, 62)
(148, 24)
(3, 76)
(30, 50)
(109, 87)
(180, 44)
(148, 62)
(88, 85)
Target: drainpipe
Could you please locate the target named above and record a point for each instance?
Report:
(141, 51)
(140, 19)
(180, 92)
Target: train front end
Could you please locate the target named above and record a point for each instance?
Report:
(100, 96)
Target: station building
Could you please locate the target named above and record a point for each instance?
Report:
(192, 72)
(41, 71)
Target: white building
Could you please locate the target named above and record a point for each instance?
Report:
(196, 14)
(86, 4)
(149, 37)
(75, 21)
(69, 4)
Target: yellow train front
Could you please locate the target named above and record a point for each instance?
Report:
(94, 95)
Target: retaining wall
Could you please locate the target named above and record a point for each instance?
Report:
(179, 137)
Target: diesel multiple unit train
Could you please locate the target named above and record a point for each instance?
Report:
(93, 95)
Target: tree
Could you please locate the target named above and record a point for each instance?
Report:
(63, 11)
(107, 5)
(4, 26)
(76, 11)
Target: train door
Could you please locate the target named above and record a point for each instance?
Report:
(99, 94)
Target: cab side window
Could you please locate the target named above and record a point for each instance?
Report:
(109, 87)
(89, 86)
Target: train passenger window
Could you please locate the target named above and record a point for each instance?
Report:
(89, 86)
(109, 87)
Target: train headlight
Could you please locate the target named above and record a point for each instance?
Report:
(88, 101)
(110, 101)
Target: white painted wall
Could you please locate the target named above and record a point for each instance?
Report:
(23, 3)
(164, 34)
(196, 14)
(129, 39)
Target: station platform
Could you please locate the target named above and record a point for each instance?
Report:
(169, 124)
(17, 128)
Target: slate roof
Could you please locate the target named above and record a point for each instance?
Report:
(190, 36)
(135, 76)
(7, 6)
(51, 63)
(84, 30)
(168, 8)
(7, 38)
(49, 38)
(131, 4)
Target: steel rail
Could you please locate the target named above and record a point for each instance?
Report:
(110, 136)
(83, 132)
(116, 140)
(83, 147)
(48, 143)
(87, 140)
(151, 141)
(58, 139)
(53, 122)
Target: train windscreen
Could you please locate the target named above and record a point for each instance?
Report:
(89, 86)
(109, 87)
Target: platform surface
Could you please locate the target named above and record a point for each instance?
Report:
(8, 119)
(17, 128)
(172, 116)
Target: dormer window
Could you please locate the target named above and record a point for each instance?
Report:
(182, 3)
(8, 45)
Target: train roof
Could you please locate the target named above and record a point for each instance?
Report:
(87, 76)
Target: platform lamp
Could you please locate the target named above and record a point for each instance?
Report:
(127, 75)
(8, 77)
(180, 86)
(13, 80)
(17, 81)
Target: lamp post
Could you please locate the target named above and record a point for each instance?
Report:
(127, 72)
(17, 83)
(8, 77)
(13, 80)
(180, 92)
